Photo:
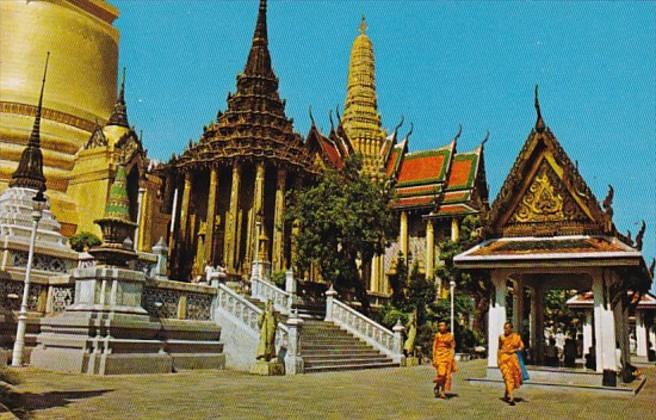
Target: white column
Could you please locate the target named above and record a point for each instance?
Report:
(651, 330)
(641, 334)
(604, 327)
(518, 305)
(587, 332)
(496, 316)
(137, 231)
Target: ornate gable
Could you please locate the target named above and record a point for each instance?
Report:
(97, 139)
(544, 194)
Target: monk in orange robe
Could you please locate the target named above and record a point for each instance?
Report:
(509, 343)
(444, 362)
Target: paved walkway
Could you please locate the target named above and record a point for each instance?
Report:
(378, 394)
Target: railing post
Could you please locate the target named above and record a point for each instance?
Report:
(398, 339)
(162, 253)
(330, 295)
(294, 364)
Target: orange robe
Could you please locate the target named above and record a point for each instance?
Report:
(508, 361)
(444, 359)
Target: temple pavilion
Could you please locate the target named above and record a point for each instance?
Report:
(547, 230)
(234, 179)
(433, 189)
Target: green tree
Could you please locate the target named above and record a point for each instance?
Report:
(343, 219)
(476, 285)
(83, 241)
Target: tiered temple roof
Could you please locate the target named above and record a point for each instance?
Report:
(439, 179)
(255, 125)
(546, 215)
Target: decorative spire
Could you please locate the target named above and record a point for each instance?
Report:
(363, 25)
(361, 118)
(539, 124)
(29, 173)
(117, 228)
(119, 113)
(259, 59)
(118, 204)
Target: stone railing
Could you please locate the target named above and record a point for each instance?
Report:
(240, 333)
(170, 299)
(368, 330)
(263, 291)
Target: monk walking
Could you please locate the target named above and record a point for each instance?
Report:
(444, 362)
(508, 361)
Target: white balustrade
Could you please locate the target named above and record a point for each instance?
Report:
(263, 291)
(362, 327)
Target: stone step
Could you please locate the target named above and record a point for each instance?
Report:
(356, 366)
(343, 359)
(339, 352)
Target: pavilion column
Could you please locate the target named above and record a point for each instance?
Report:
(651, 331)
(211, 215)
(518, 306)
(278, 244)
(622, 330)
(184, 210)
(430, 249)
(455, 230)
(641, 334)
(587, 332)
(373, 282)
(257, 211)
(496, 316)
(604, 326)
(230, 240)
(138, 232)
(298, 185)
(403, 234)
(537, 323)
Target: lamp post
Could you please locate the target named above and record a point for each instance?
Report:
(452, 286)
(38, 205)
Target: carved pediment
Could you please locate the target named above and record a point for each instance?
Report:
(547, 200)
(97, 139)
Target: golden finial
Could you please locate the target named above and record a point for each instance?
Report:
(363, 25)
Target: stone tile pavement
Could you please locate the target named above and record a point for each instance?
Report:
(376, 394)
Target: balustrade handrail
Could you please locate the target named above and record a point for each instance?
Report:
(369, 321)
(280, 297)
(245, 302)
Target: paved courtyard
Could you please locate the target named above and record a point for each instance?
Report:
(377, 394)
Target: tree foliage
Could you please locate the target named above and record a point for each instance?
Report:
(83, 241)
(343, 220)
(476, 285)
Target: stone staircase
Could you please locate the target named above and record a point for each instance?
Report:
(325, 347)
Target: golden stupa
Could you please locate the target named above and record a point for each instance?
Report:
(81, 146)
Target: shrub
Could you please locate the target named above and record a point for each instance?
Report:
(83, 241)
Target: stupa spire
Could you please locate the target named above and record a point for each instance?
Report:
(120, 113)
(361, 119)
(29, 173)
(259, 59)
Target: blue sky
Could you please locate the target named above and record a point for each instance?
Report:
(437, 63)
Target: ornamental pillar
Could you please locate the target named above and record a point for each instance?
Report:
(430, 249)
(496, 316)
(138, 232)
(184, 209)
(518, 306)
(455, 230)
(256, 211)
(278, 244)
(604, 326)
(587, 332)
(374, 282)
(403, 235)
(295, 228)
(230, 240)
(211, 215)
(641, 334)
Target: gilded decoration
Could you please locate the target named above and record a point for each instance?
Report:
(546, 200)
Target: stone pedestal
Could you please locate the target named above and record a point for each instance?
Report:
(410, 361)
(105, 331)
(270, 368)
